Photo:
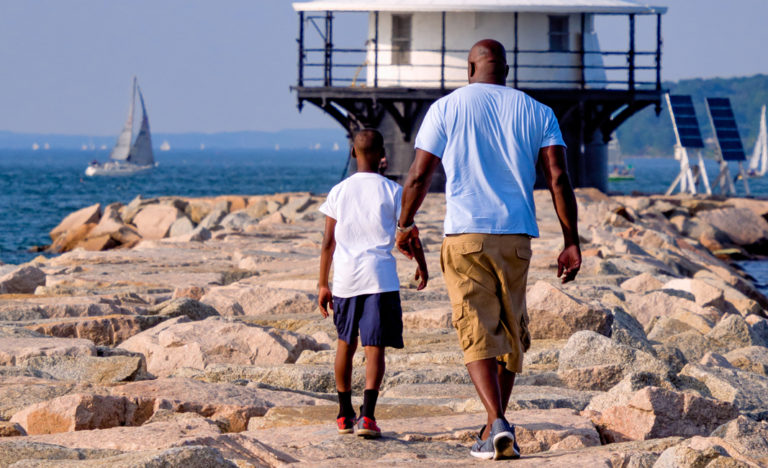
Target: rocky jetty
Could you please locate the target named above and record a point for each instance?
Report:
(184, 332)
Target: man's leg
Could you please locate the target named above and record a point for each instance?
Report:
(485, 375)
(343, 371)
(506, 383)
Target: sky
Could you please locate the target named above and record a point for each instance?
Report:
(227, 65)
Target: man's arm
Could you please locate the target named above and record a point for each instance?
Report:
(552, 160)
(414, 191)
(324, 296)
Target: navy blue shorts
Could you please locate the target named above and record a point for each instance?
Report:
(377, 318)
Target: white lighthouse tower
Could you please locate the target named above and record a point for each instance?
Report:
(415, 51)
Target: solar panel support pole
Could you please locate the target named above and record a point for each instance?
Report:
(724, 180)
(686, 179)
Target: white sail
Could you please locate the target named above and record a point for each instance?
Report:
(758, 164)
(141, 151)
(123, 146)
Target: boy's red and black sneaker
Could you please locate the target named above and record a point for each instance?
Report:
(366, 427)
(346, 424)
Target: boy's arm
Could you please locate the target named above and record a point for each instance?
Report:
(421, 263)
(324, 296)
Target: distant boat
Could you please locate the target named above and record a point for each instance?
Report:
(46, 146)
(335, 146)
(619, 170)
(84, 147)
(127, 158)
(165, 146)
(35, 146)
(758, 163)
(202, 146)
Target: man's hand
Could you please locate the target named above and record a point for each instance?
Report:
(568, 263)
(405, 242)
(325, 300)
(422, 275)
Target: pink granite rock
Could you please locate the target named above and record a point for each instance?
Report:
(154, 221)
(556, 315)
(77, 412)
(179, 343)
(655, 412)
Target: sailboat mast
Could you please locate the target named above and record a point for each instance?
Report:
(761, 146)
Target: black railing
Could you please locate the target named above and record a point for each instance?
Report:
(328, 66)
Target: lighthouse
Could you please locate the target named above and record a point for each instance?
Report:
(409, 53)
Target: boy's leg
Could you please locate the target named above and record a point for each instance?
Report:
(374, 373)
(345, 352)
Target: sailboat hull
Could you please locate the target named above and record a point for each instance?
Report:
(116, 169)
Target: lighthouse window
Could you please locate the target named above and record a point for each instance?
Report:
(401, 39)
(558, 33)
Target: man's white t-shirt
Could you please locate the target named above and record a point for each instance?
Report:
(366, 207)
(488, 137)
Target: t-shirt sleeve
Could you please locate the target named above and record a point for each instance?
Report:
(398, 202)
(431, 137)
(552, 135)
(328, 207)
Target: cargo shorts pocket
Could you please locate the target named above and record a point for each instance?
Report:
(461, 322)
(524, 253)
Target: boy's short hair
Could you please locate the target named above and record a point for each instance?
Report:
(368, 141)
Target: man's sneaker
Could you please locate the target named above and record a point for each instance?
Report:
(346, 424)
(500, 444)
(366, 427)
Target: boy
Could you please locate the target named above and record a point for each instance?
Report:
(361, 219)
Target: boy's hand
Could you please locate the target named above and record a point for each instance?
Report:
(325, 300)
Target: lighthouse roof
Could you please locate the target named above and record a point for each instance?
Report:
(527, 6)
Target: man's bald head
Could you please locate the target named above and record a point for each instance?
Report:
(487, 63)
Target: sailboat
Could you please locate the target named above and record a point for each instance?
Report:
(618, 169)
(127, 158)
(758, 163)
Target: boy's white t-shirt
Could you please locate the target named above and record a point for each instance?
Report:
(366, 207)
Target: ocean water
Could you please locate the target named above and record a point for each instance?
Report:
(39, 188)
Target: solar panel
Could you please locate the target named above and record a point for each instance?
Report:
(724, 123)
(684, 115)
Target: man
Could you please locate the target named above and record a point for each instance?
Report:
(489, 139)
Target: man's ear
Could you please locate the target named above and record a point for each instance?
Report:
(472, 69)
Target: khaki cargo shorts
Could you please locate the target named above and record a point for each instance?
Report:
(485, 275)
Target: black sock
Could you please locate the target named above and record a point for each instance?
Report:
(369, 403)
(345, 405)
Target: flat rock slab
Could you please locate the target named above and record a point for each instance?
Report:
(440, 437)
(233, 404)
(16, 449)
(177, 430)
(188, 457)
(90, 369)
(37, 308)
(109, 330)
(19, 392)
(15, 351)
(180, 342)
